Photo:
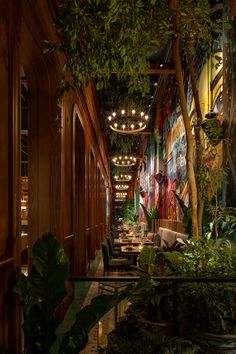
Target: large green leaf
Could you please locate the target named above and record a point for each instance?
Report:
(76, 338)
(150, 215)
(41, 292)
(187, 220)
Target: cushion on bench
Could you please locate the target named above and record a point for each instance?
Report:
(170, 236)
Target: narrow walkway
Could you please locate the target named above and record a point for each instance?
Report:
(98, 335)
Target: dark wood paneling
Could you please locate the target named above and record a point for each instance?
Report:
(172, 225)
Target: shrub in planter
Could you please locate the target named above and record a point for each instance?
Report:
(212, 128)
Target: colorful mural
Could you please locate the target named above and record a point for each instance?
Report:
(230, 101)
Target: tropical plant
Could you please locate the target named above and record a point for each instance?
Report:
(41, 293)
(129, 212)
(207, 306)
(205, 256)
(150, 215)
(187, 220)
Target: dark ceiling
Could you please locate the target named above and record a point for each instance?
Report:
(111, 99)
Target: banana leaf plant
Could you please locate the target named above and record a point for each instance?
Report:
(41, 293)
(187, 220)
(150, 215)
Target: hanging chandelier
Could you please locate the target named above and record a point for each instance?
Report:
(127, 160)
(128, 121)
(121, 187)
(122, 178)
(121, 195)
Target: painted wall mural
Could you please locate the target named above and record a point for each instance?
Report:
(229, 99)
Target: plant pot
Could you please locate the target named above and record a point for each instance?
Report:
(212, 128)
(214, 343)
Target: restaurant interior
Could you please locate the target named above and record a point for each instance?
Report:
(118, 175)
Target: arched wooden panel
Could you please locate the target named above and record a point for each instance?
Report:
(80, 254)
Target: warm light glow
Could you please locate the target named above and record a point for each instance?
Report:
(121, 194)
(122, 177)
(122, 111)
(126, 121)
(124, 160)
(133, 111)
(114, 114)
(121, 186)
(109, 118)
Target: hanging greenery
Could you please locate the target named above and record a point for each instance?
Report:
(104, 37)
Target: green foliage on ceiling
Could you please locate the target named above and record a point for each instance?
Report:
(104, 37)
(122, 144)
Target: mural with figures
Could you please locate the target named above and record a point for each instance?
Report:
(175, 165)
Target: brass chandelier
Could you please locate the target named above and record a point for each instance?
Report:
(121, 187)
(124, 161)
(122, 178)
(128, 121)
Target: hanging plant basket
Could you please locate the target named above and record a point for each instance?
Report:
(213, 128)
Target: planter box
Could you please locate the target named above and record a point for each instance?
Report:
(215, 343)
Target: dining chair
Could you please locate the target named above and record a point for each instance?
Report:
(114, 252)
(114, 264)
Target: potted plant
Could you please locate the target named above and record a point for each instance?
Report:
(42, 292)
(212, 128)
(150, 215)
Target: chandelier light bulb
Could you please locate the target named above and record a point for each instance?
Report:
(133, 111)
(142, 114)
(114, 114)
(122, 111)
(109, 118)
(115, 125)
(123, 126)
(146, 117)
(132, 126)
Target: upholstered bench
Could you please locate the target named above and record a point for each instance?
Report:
(170, 236)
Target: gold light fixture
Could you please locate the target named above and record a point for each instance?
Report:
(128, 121)
(122, 178)
(121, 187)
(124, 161)
(121, 195)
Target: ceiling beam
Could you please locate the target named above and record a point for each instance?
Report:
(151, 71)
(161, 71)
